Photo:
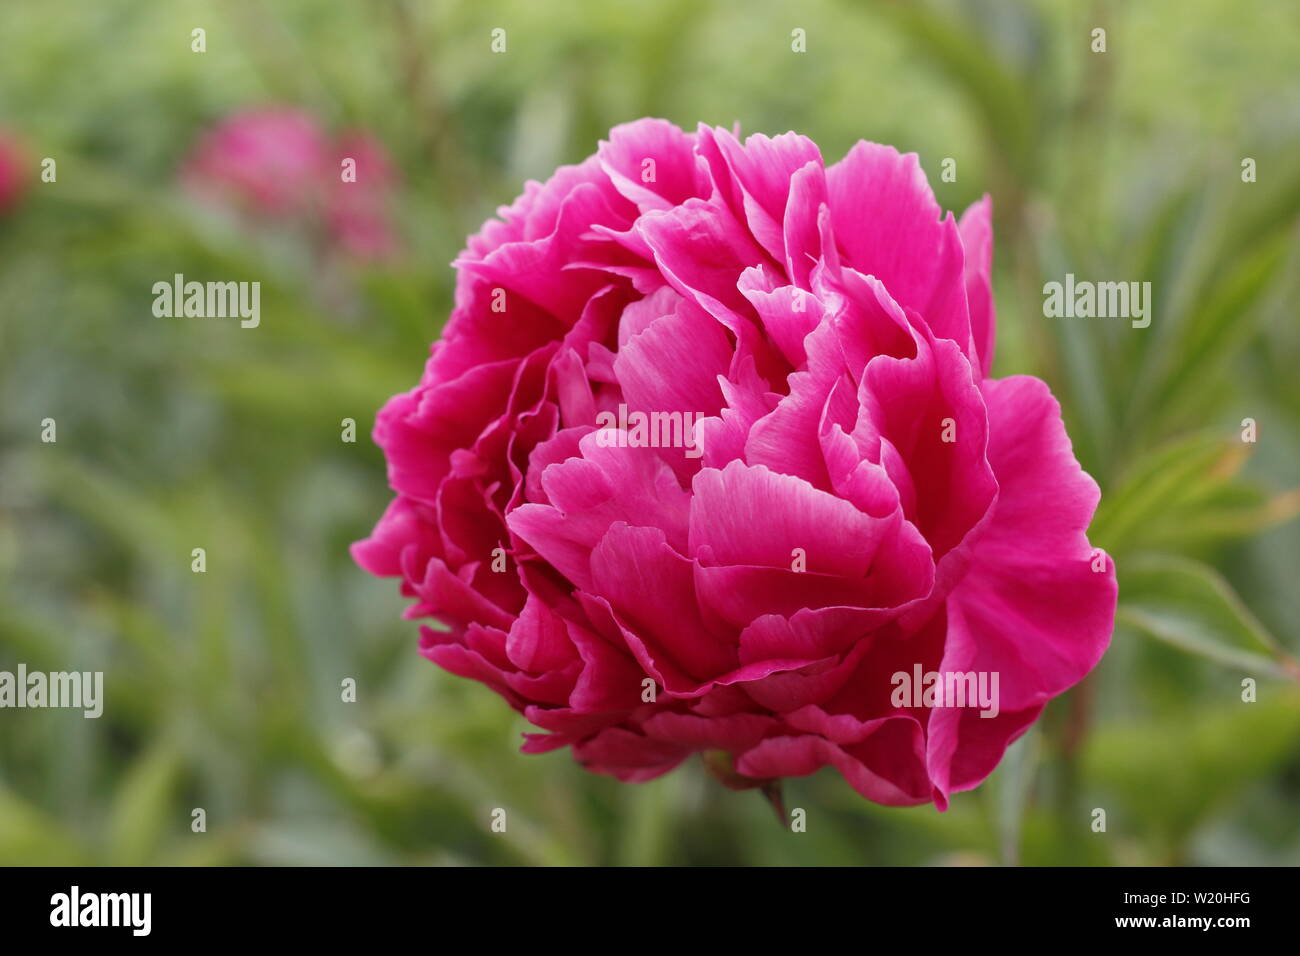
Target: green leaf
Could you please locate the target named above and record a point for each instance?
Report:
(1189, 605)
(142, 808)
(1154, 486)
(1226, 316)
(1185, 494)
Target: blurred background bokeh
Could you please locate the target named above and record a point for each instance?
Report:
(223, 688)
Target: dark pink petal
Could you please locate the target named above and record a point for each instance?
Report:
(674, 363)
(701, 249)
(886, 219)
(917, 405)
(419, 430)
(611, 680)
(530, 268)
(804, 245)
(448, 653)
(732, 733)
(762, 170)
(888, 224)
(649, 586)
(799, 756)
(1033, 605)
(588, 494)
(539, 639)
(788, 313)
(976, 227)
(751, 515)
(814, 636)
(406, 527)
(638, 315)
(748, 400)
(628, 756)
(964, 746)
(676, 175)
(1045, 500)
(453, 599)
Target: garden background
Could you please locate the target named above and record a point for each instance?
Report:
(223, 688)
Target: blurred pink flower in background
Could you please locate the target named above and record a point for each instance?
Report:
(357, 212)
(14, 172)
(274, 163)
(270, 161)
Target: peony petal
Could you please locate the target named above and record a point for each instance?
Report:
(976, 228)
(649, 585)
(673, 174)
(750, 515)
(628, 756)
(799, 756)
(762, 170)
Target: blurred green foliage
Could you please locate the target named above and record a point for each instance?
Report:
(223, 688)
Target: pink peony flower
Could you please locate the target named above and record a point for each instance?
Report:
(14, 172)
(857, 502)
(275, 163)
